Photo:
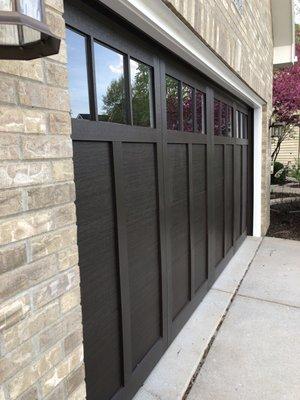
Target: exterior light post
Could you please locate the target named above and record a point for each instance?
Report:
(24, 34)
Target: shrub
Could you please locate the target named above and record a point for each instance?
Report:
(294, 171)
(279, 174)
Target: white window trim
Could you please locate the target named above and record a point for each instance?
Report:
(155, 19)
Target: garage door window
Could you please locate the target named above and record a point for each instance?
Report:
(187, 108)
(172, 102)
(200, 111)
(78, 82)
(141, 76)
(109, 70)
(222, 119)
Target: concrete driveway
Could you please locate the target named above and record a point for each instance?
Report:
(256, 352)
(243, 341)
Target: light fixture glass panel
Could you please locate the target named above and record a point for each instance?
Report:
(32, 8)
(9, 35)
(30, 35)
(5, 5)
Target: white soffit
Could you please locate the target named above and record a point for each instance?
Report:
(155, 19)
(283, 32)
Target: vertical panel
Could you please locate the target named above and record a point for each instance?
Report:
(237, 191)
(178, 198)
(229, 197)
(244, 188)
(140, 193)
(200, 214)
(219, 202)
(98, 268)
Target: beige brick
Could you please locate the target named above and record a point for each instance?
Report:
(30, 394)
(72, 341)
(58, 393)
(27, 276)
(52, 242)
(79, 393)
(54, 377)
(56, 74)
(12, 256)
(56, 23)
(59, 123)
(29, 375)
(9, 147)
(63, 170)
(70, 300)
(46, 147)
(2, 393)
(10, 202)
(30, 326)
(23, 174)
(73, 320)
(27, 69)
(43, 96)
(45, 196)
(13, 362)
(68, 257)
(35, 223)
(13, 311)
(55, 288)
(56, 4)
(7, 89)
(11, 119)
(51, 336)
(75, 379)
(34, 121)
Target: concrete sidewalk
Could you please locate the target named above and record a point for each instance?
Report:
(243, 341)
(256, 353)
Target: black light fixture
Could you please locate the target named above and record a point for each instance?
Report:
(24, 35)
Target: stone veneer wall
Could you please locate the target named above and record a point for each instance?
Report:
(244, 42)
(41, 352)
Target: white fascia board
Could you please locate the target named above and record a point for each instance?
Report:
(155, 19)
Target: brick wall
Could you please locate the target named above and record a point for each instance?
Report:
(244, 42)
(41, 353)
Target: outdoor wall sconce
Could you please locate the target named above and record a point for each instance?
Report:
(24, 34)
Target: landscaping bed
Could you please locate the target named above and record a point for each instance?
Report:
(285, 220)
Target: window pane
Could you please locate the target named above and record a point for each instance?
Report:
(223, 119)
(109, 69)
(217, 117)
(241, 124)
(77, 72)
(172, 102)
(245, 127)
(237, 124)
(229, 121)
(142, 94)
(200, 110)
(32, 8)
(187, 108)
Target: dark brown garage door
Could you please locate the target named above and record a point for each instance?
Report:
(162, 166)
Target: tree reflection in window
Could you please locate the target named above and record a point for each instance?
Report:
(187, 108)
(217, 117)
(141, 93)
(172, 103)
(229, 121)
(200, 112)
(223, 119)
(109, 66)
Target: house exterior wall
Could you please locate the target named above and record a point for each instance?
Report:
(40, 314)
(290, 149)
(243, 40)
(41, 353)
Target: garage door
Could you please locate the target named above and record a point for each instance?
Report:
(162, 165)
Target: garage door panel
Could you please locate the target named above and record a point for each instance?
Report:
(98, 266)
(199, 223)
(244, 187)
(238, 191)
(229, 196)
(141, 202)
(178, 199)
(218, 202)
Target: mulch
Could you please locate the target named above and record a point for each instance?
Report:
(285, 221)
